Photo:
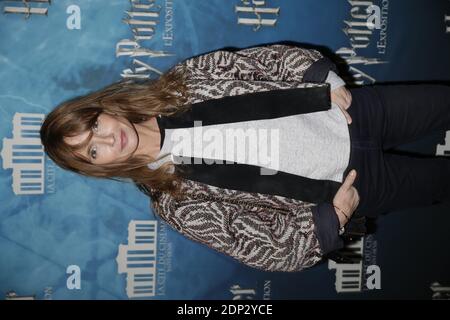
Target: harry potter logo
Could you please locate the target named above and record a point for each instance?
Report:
(256, 13)
(27, 7)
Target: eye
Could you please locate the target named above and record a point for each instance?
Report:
(95, 126)
(93, 152)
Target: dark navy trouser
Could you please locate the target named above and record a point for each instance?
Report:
(385, 116)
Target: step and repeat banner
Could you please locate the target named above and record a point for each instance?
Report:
(64, 236)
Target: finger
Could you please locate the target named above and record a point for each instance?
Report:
(349, 179)
(349, 118)
(340, 96)
(347, 103)
(345, 97)
(346, 114)
(335, 96)
(348, 100)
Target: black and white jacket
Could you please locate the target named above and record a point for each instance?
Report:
(280, 222)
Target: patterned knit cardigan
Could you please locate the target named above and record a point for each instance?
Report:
(267, 232)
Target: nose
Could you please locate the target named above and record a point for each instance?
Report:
(107, 139)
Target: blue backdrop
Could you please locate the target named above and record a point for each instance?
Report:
(57, 227)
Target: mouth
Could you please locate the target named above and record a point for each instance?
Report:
(123, 140)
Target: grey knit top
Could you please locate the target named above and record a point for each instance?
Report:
(314, 145)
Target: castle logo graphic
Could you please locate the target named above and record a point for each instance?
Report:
(444, 149)
(349, 275)
(24, 154)
(137, 259)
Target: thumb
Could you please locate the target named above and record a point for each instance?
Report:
(349, 179)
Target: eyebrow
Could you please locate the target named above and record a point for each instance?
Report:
(85, 147)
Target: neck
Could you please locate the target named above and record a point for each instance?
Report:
(149, 137)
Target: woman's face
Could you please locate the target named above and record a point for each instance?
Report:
(114, 140)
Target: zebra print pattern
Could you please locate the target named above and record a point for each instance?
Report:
(267, 232)
(223, 73)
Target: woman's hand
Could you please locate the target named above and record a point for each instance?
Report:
(346, 199)
(343, 98)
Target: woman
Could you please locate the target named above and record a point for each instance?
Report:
(273, 215)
